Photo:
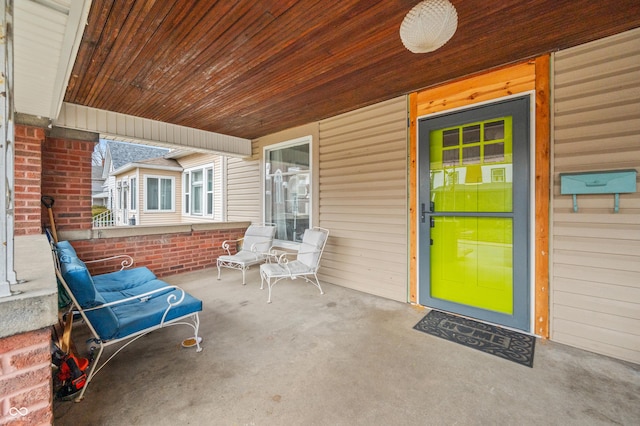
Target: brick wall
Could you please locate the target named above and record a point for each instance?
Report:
(66, 176)
(28, 176)
(62, 169)
(164, 254)
(25, 379)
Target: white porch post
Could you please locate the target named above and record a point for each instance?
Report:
(7, 270)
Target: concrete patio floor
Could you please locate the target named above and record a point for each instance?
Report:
(343, 358)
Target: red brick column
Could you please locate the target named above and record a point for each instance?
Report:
(66, 176)
(25, 379)
(28, 176)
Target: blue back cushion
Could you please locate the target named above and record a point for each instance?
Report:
(79, 280)
(77, 277)
(66, 249)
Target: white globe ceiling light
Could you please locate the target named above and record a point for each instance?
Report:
(428, 26)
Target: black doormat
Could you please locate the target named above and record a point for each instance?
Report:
(507, 344)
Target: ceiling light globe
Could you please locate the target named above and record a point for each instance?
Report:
(428, 26)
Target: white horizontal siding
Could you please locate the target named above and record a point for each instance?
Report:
(244, 192)
(363, 199)
(198, 159)
(595, 262)
(219, 201)
(38, 42)
(122, 127)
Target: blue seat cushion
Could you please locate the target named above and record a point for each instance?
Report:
(117, 321)
(103, 320)
(132, 291)
(136, 316)
(121, 320)
(122, 280)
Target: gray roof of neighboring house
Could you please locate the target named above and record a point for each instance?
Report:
(96, 187)
(123, 153)
(96, 172)
(160, 161)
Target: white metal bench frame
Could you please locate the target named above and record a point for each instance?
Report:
(192, 320)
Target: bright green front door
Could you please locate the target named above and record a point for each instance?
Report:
(474, 198)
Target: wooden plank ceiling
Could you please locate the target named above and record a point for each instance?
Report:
(250, 68)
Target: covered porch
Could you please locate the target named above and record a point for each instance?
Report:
(343, 358)
(339, 78)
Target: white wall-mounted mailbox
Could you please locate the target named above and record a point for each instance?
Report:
(604, 182)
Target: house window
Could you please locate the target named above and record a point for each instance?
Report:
(133, 190)
(288, 188)
(118, 199)
(122, 185)
(497, 174)
(479, 143)
(186, 179)
(159, 193)
(209, 194)
(198, 191)
(125, 194)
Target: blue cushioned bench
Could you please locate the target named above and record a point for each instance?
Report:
(122, 305)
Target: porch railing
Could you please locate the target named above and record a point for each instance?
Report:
(103, 220)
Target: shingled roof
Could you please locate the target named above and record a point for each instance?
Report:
(124, 153)
(159, 161)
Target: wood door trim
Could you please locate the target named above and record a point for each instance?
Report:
(523, 77)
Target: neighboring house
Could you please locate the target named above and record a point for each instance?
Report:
(99, 196)
(181, 187)
(146, 192)
(118, 154)
(201, 192)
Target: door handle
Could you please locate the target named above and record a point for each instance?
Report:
(424, 212)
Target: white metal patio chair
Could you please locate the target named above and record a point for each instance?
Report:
(304, 266)
(256, 244)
